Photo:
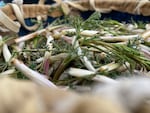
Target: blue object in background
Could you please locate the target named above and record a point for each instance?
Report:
(126, 17)
(2, 3)
(119, 16)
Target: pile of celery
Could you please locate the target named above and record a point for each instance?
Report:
(74, 51)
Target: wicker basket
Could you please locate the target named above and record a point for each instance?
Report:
(128, 8)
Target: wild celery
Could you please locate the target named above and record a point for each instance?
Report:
(79, 44)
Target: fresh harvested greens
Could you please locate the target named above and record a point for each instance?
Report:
(73, 51)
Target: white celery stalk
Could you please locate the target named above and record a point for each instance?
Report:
(84, 59)
(33, 75)
(8, 72)
(103, 79)
(29, 36)
(83, 32)
(79, 72)
(76, 72)
(109, 67)
(146, 34)
(118, 38)
(89, 32)
(6, 53)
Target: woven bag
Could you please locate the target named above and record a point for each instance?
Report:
(13, 15)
